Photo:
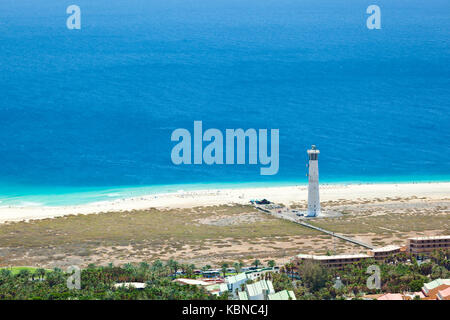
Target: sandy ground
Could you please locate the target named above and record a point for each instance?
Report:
(188, 199)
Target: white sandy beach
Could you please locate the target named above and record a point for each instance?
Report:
(186, 199)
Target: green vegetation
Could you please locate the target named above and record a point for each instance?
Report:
(398, 274)
(16, 270)
(308, 280)
(98, 283)
(213, 234)
(119, 228)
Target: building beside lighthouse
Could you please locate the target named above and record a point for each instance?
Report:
(313, 183)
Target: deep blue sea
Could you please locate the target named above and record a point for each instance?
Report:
(86, 115)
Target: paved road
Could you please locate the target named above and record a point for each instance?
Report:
(289, 215)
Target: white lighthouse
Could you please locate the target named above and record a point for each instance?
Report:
(313, 183)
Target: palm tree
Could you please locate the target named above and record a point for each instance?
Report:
(5, 273)
(91, 266)
(40, 272)
(190, 270)
(128, 267)
(271, 263)
(414, 266)
(183, 268)
(157, 266)
(224, 268)
(290, 269)
(24, 273)
(174, 266)
(237, 267)
(144, 265)
(256, 263)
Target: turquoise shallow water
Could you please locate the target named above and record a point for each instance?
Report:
(63, 196)
(87, 115)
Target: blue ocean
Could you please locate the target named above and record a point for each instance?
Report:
(86, 115)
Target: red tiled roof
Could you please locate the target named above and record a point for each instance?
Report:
(391, 296)
(432, 294)
(444, 294)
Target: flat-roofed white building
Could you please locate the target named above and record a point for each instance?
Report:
(130, 285)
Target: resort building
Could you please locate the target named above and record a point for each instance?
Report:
(336, 261)
(130, 285)
(443, 294)
(339, 261)
(195, 282)
(421, 245)
(217, 289)
(234, 283)
(415, 246)
(414, 295)
(258, 273)
(380, 254)
(211, 273)
(242, 295)
(431, 288)
(261, 290)
(391, 296)
(257, 291)
(433, 293)
(213, 286)
(282, 295)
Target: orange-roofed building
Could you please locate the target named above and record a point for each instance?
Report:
(432, 294)
(391, 296)
(443, 294)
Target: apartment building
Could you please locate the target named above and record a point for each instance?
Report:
(380, 254)
(335, 261)
(420, 245)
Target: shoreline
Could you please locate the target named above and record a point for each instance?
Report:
(63, 196)
(286, 195)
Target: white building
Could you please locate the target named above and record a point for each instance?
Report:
(257, 291)
(130, 285)
(258, 273)
(313, 183)
(235, 282)
(282, 295)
